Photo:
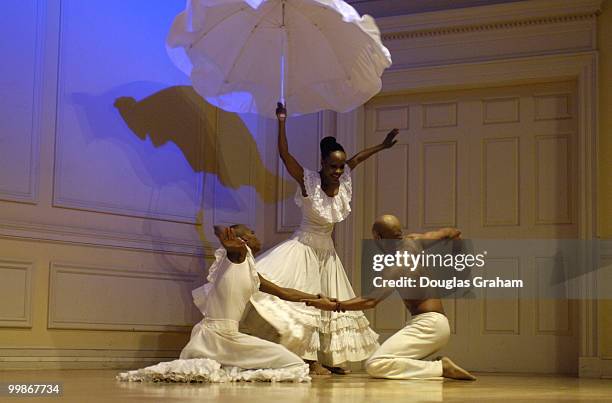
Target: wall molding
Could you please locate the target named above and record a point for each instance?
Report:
(498, 15)
(516, 299)
(24, 321)
(600, 366)
(53, 358)
(605, 248)
(110, 208)
(405, 119)
(55, 320)
(425, 122)
(478, 74)
(490, 26)
(423, 219)
(491, 32)
(516, 118)
(484, 199)
(568, 98)
(594, 367)
(31, 197)
(81, 236)
(538, 139)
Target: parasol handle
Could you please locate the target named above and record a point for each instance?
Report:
(189, 16)
(282, 83)
(282, 59)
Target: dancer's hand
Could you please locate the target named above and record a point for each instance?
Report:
(324, 296)
(228, 238)
(322, 303)
(453, 233)
(281, 112)
(390, 141)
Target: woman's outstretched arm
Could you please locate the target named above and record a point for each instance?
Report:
(368, 152)
(288, 294)
(293, 167)
(354, 304)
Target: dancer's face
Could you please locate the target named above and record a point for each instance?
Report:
(248, 236)
(332, 167)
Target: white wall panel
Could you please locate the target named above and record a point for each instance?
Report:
(88, 297)
(21, 25)
(127, 137)
(16, 293)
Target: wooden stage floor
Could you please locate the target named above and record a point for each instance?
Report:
(92, 386)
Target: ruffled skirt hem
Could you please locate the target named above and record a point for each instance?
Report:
(340, 337)
(210, 371)
(346, 337)
(346, 346)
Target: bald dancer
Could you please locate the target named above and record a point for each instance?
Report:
(402, 355)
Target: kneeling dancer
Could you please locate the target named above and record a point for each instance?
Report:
(402, 355)
(217, 351)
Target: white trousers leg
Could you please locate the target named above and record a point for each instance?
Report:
(401, 356)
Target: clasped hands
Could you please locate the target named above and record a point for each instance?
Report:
(324, 303)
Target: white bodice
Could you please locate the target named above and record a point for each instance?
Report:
(320, 212)
(229, 287)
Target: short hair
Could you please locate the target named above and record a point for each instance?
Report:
(329, 145)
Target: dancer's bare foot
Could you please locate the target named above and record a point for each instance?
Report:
(338, 370)
(454, 371)
(317, 369)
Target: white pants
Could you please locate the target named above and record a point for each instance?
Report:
(401, 356)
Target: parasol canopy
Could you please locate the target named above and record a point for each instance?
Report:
(246, 55)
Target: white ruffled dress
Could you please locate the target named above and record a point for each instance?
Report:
(217, 351)
(308, 262)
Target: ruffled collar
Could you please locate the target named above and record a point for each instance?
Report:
(201, 294)
(331, 209)
(250, 259)
(220, 255)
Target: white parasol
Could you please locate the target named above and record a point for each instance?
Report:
(245, 55)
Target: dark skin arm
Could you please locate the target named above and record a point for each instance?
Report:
(288, 294)
(293, 167)
(358, 303)
(236, 253)
(443, 233)
(368, 152)
(361, 303)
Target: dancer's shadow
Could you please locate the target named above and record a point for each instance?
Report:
(179, 115)
(176, 114)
